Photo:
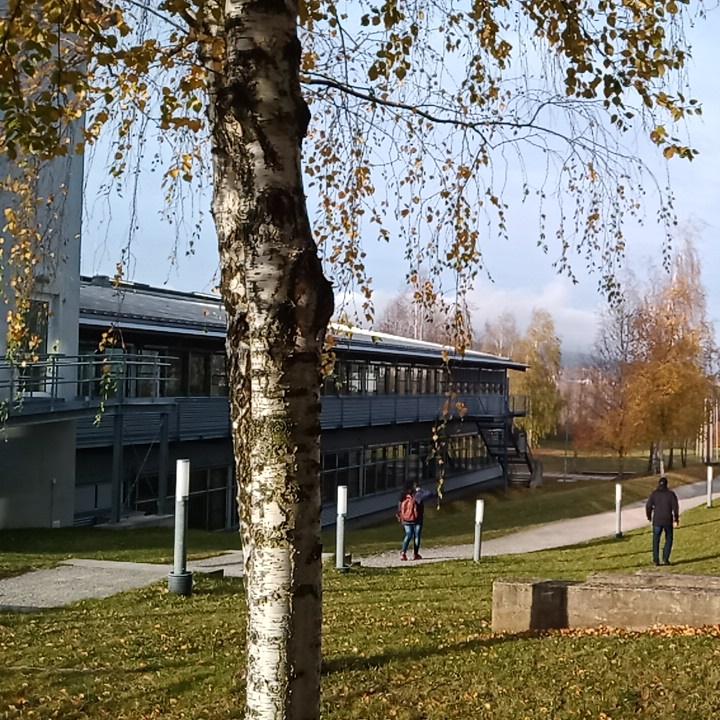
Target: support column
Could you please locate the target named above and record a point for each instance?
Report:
(163, 452)
(231, 512)
(117, 466)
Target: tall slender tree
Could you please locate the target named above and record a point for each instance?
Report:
(671, 374)
(540, 382)
(500, 336)
(609, 421)
(418, 111)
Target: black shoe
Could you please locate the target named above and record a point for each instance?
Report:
(666, 562)
(655, 562)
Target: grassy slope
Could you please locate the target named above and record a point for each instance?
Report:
(453, 522)
(410, 643)
(23, 550)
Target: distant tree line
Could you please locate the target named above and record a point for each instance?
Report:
(650, 380)
(414, 314)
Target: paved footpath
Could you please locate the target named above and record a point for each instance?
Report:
(75, 580)
(560, 533)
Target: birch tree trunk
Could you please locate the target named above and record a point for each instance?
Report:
(278, 305)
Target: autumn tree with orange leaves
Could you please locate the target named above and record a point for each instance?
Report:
(605, 421)
(671, 374)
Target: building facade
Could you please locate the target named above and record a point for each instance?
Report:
(37, 486)
(154, 389)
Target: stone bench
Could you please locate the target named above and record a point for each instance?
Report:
(625, 601)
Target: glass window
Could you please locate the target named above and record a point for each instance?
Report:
(147, 373)
(328, 483)
(218, 379)
(32, 376)
(198, 382)
(147, 487)
(216, 510)
(330, 385)
(89, 370)
(353, 481)
(442, 381)
(341, 370)
(198, 481)
(373, 372)
(431, 381)
(412, 381)
(390, 380)
(218, 478)
(37, 325)
(401, 380)
(172, 376)
(197, 510)
(370, 485)
(356, 379)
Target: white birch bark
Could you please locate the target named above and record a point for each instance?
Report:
(278, 304)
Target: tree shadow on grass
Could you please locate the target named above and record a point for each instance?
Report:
(350, 663)
(692, 560)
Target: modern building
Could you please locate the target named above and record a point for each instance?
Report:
(153, 389)
(37, 460)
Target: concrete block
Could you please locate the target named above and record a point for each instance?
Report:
(521, 605)
(626, 601)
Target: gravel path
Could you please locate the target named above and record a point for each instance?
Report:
(77, 579)
(561, 533)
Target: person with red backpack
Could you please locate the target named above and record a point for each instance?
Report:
(410, 514)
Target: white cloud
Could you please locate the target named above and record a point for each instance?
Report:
(576, 321)
(576, 317)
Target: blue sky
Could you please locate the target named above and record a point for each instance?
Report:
(523, 277)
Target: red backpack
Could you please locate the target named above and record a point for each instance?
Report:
(408, 510)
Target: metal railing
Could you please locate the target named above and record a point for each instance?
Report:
(55, 378)
(518, 404)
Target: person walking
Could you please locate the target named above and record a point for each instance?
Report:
(411, 515)
(420, 497)
(407, 515)
(663, 511)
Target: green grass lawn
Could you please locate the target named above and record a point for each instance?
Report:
(556, 458)
(23, 550)
(411, 643)
(453, 522)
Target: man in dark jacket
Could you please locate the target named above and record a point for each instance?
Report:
(663, 510)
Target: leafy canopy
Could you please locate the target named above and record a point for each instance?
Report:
(428, 118)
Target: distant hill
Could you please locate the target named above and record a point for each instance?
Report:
(572, 359)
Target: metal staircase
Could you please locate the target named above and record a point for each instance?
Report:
(508, 445)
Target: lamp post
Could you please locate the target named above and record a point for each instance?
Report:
(709, 480)
(479, 517)
(708, 455)
(180, 580)
(618, 510)
(340, 528)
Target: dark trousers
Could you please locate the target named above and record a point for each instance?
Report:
(667, 548)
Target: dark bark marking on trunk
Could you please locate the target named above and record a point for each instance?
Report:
(306, 590)
(311, 293)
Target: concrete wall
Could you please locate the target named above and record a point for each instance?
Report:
(37, 462)
(37, 476)
(57, 276)
(634, 602)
